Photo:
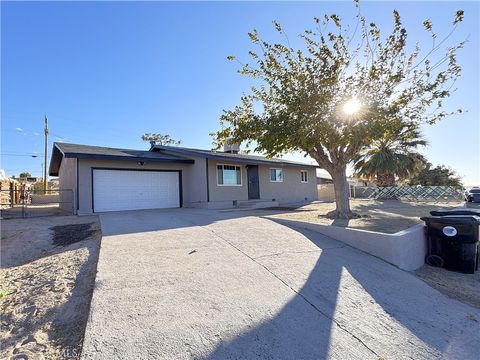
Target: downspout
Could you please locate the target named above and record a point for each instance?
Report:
(77, 191)
(208, 185)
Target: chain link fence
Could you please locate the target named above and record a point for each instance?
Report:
(408, 193)
(25, 203)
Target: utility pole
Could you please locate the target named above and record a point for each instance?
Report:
(45, 180)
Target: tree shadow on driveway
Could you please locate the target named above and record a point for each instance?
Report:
(353, 305)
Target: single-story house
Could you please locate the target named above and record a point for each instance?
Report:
(108, 179)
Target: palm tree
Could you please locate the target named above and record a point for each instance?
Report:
(392, 157)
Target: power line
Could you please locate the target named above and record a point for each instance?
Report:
(33, 156)
(22, 169)
(22, 152)
(36, 133)
(78, 124)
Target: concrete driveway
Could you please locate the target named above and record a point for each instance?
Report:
(185, 283)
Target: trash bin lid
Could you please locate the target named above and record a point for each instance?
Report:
(454, 212)
(453, 219)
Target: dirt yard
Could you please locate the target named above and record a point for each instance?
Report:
(47, 273)
(463, 287)
(388, 216)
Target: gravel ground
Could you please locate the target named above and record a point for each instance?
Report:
(463, 287)
(47, 272)
(388, 216)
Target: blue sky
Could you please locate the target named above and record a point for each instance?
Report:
(104, 73)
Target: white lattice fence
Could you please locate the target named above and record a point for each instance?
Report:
(409, 193)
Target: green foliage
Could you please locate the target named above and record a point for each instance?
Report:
(301, 92)
(160, 139)
(25, 174)
(299, 97)
(392, 157)
(439, 175)
(3, 293)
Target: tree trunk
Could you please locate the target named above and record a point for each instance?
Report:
(342, 194)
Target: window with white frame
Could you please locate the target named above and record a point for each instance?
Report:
(229, 175)
(304, 176)
(276, 175)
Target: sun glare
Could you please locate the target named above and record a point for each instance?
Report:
(352, 106)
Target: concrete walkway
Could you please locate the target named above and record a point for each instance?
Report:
(183, 284)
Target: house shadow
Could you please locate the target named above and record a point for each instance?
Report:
(353, 305)
(133, 222)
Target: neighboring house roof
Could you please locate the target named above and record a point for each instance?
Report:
(225, 156)
(321, 180)
(322, 173)
(323, 177)
(61, 150)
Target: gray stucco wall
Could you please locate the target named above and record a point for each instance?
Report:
(67, 178)
(194, 186)
(194, 182)
(291, 190)
(226, 193)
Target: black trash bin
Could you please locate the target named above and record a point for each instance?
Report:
(454, 212)
(453, 242)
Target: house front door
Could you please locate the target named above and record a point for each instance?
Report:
(253, 182)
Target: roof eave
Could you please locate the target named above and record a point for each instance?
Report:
(56, 152)
(127, 158)
(230, 158)
(259, 162)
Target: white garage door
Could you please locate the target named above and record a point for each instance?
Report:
(115, 190)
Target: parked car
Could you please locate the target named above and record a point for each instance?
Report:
(472, 195)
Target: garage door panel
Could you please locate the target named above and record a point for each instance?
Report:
(116, 190)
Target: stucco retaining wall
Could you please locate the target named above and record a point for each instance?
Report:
(406, 249)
